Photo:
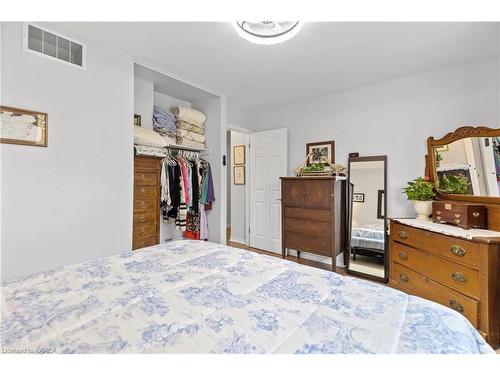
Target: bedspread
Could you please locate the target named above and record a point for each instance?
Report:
(201, 297)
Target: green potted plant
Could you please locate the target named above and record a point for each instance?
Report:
(451, 184)
(421, 193)
(439, 157)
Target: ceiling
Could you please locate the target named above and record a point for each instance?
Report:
(324, 58)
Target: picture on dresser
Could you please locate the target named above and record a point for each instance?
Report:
(23, 127)
(366, 217)
(318, 152)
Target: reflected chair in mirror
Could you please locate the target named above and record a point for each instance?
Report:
(367, 242)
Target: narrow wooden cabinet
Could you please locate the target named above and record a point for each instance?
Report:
(455, 272)
(146, 224)
(311, 216)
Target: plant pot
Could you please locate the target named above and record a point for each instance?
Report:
(423, 209)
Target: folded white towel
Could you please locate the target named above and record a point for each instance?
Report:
(148, 137)
(190, 143)
(189, 115)
(190, 127)
(181, 133)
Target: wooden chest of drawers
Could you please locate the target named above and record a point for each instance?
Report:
(146, 224)
(311, 215)
(458, 273)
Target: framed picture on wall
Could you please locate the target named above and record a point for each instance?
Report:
(239, 154)
(318, 151)
(358, 197)
(239, 174)
(137, 120)
(23, 127)
(380, 204)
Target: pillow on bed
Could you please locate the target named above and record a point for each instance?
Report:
(148, 137)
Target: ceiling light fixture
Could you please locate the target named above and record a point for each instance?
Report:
(267, 32)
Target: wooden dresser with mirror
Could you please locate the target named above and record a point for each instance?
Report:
(452, 266)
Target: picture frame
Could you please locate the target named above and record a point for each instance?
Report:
(358, 197)
(326, 149)
(137, 120)
(23, 127)
(239, 175)
(380, 204)
(442, 148)
(239, 154)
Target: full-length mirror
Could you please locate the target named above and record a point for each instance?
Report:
(467, 162)
(367, 243)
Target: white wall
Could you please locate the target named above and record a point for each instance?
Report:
(144, 101)
(71, 201)
(238, 192)
(392, 118)
(165, 101)
(367, 181)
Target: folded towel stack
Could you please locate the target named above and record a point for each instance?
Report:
(164, 124)
(190, 126)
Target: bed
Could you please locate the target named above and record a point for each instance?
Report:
(368, 239)
(201, 297)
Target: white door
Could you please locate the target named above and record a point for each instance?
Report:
(269, 162)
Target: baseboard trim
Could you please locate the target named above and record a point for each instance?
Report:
(238, 240)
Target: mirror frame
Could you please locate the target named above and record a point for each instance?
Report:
(347, 259)
(460, 133)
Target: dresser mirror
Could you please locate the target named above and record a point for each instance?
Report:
(367, 242)
(465, 164)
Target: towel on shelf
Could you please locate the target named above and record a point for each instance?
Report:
(189, 127)
(163, 119)
(189, 115)
(190, 143)
(181, 133)
(169, 140)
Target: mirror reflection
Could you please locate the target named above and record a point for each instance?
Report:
(469, 166)
(367, 242)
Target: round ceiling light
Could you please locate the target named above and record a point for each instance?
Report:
(267, 32)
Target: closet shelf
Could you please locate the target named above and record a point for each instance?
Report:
(181, 147)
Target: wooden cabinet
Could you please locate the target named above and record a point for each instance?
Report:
(311, 215)
(146, 224)
(458, 273)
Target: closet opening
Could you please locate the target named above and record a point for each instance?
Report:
(237, 201)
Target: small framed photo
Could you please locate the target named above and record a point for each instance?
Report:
(358, 197)
(23, 127)
(239, 154)
(137, 120)
(239, 174)
(320, 152)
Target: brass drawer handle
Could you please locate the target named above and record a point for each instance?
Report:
(457, 221)
(438, 212)
(438, 218)
(403, 235)
(457, 306)
(142, 204)
(457, 251)
(143, 190)
(402, 255)
(459, 277)
(403, 277)
(475, 214)
(142, 242)
(142, 219)
(457, 215)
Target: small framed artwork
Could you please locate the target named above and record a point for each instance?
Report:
(318, 151)
(137, 120)
(358, 197)
(23, 127)
(239, 174)
(380, 204)
(239, 154)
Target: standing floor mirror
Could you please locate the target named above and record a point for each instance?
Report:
(367, 242)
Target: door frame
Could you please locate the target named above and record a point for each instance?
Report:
(224, 222)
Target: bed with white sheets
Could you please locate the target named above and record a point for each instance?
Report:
(368, 236)
(201, 297)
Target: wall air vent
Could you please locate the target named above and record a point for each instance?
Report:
(42, 42)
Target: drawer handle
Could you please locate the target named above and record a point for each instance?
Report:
(438, 218)
(142, 204)
(457, 251)
(403, 235)
(457, 215)
(142, 242)
(459, 277)
(457, 221)
(403, 256)
(457, 306)
(143, 190)
(403, 277)
(475, 214)
(142, 219)
(438, 212)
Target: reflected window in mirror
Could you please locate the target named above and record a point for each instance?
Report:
(367, 181)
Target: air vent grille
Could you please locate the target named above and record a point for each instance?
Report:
(43, 42)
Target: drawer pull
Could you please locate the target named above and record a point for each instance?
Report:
(142, 242)
(438, 212)
(403, 256)
(438, 218)
(459, 277)
(143, 190)
(475, 214)
(403, 235)
(457, 221)
(403, 277)
(142, 219)
(142, 204)
(457, 306)
(457, 251)
(457, 215)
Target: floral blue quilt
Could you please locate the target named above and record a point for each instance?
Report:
(201, 297)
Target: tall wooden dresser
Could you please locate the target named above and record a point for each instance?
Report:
(146, 226)
(459, 273)
(311, 215)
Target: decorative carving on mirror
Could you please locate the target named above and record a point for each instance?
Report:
(465, 164)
